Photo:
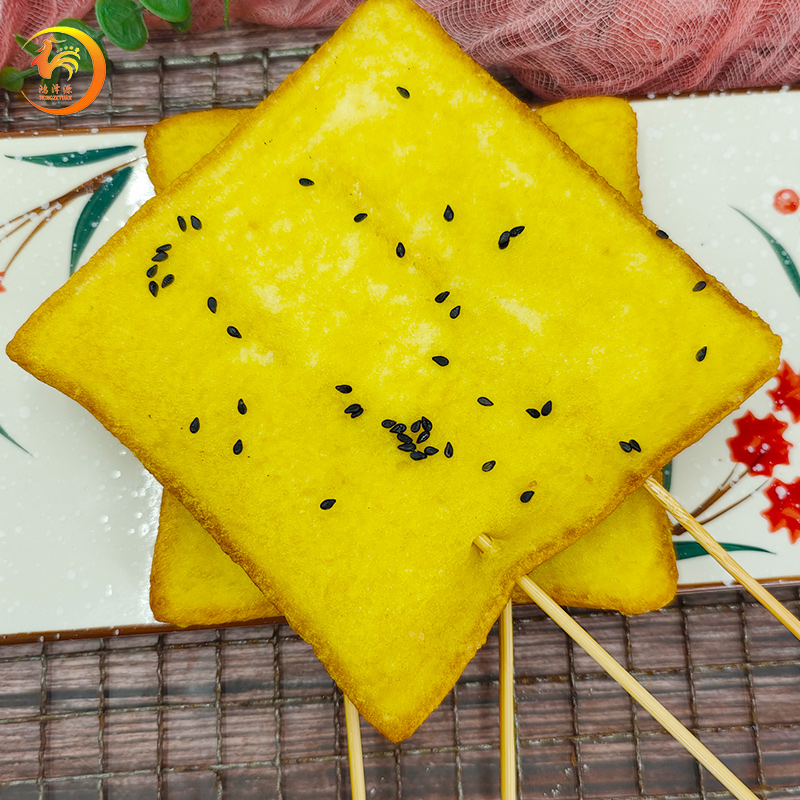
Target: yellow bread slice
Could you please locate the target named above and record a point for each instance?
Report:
(279, 296)
(602, 131)
(627, 563)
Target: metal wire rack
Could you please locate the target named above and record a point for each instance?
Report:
(249, 712)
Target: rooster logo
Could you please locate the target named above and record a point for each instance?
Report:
(47, 62)
(46, 67)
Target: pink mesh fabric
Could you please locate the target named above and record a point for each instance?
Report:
(557, 48)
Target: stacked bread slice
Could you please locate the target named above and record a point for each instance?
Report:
(392, 311)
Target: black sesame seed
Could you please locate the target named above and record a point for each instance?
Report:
(306, 182)
(426, 424)
(662, 234)
(238, 447)
(547, 408)
(160, 256)
(423, 437)
(407, 447)
(196, 224)
(442, 361)
(388, 423)
(153, 287)
(415, 426)
(455, 311)
(626, 447)
(448, 450)
(417, 456)
(485, 401)
(505, 238)
(525, 497)
(326, 504)
(344, 388)
(699, 286)
(516, 231)
(488, 466)
(399, 428)
(359, 217)
(357, 413)
(440, 298)
(701, 353)
(151, 273)
(182, 223)
(533, 412)
(163, 248)
(635, 445)
(448, 214)
(234, 332)
(430, 451)
(241, 407)
(403, 92)
(404, 438)
(195, 425)
(400, 250)
(168, 279)
(212, 305)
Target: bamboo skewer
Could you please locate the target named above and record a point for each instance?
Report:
(629, 683)
(721, 556)
(355, 755)
(508, 749)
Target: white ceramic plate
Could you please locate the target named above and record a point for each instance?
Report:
(713, 170)
(78, 513)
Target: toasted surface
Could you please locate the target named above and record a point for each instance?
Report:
(626, 563)
(193, 582)
(177, 143)
(588, 309)
(602, 131)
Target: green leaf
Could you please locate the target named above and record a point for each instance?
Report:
(13, 79)
(84, 59)
(684, 550)
(121, 21)
(94, 211)
(184, 25)
(789, 267)
(170, 10)
(4, 433)
(666, 475)
(31, 48)
(226, 14)
(76, 158)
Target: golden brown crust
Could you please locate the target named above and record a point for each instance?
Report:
(55, 345)
(168, 137)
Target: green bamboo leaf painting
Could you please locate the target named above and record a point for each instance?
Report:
(93, 213)
(5, 435)
(76, 158)
(666, 475)
(684, 550)
(789, 267)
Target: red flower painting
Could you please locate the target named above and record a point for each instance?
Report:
(759, 443)
(786, 395)
(784, 511)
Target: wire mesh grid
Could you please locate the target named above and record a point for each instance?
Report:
(250, 713)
